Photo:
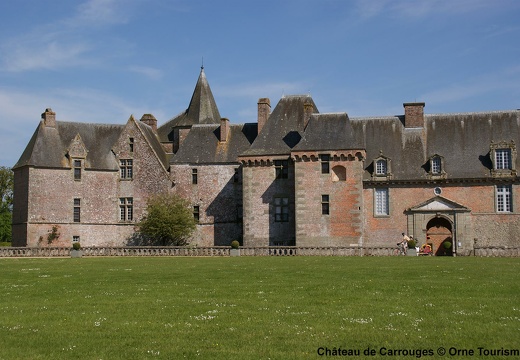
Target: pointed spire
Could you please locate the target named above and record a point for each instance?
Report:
(202, 108)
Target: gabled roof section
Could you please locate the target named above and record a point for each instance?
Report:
(284, 128)
(202, 145)
(329, 132)
(439, 203)
(202, 109)
(153, 142)
(49, 146)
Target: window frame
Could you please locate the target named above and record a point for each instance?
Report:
(77, 166)
(281, 169)
(76, 213)
(126, 209)
(383, 169)
(196, 213)
(381, 202)
(325, 163)
(504, 198)
(194, 176)
(126, 169)
(325, 204)
(281, 209)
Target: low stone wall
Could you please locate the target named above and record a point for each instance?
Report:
(497, 251)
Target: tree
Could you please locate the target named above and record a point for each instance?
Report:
(168, 221)
(6, 203)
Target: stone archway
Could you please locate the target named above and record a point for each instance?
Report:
(438, 233)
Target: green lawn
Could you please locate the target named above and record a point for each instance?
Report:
(256, 307)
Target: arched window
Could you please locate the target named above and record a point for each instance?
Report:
(339, 173)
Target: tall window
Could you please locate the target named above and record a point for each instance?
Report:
(381, 202)
(194, 176)
(131, 144)
(127, 168)
(196, 213)
(281, 209)
(381, 168)
(325, 204)
(503, 159)
(236, 176)
(77, 210)
(503, 198)
(282, 169)
(325, 163)
(77, 169)
(126, 209)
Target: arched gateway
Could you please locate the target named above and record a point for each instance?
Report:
(441, 223)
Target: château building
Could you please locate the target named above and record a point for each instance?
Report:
(294, 177)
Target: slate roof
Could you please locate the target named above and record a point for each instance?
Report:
(284, 128)
(329, 132)
(48, 146)
(462, 139)
(201, 110)
(202, 145)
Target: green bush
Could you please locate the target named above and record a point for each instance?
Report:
(76, 246)
(235, 244)
(5, 243)
(446, 244)
(411, 244)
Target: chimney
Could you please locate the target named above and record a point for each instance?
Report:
(49, 118)
(414, 114)
(224, 129)
(150, 120)
(308, 109)
(264, 109)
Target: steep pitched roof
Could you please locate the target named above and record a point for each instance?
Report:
(329, 132)
(202, 109)
(48, 146)
(463, 140)
(202, 145)
(284, 128)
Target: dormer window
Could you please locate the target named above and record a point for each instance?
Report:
(503, 157)
(436, 164)
(382, 169)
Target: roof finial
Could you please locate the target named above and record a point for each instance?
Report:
(202, 66)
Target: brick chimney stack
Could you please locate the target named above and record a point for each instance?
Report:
(308, 109)
(224, 129)
(49, 118)
(150, 120)
(264, 110)
(414, 114)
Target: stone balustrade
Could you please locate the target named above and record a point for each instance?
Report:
(490, 251)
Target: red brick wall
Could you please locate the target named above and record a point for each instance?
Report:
(343, 226)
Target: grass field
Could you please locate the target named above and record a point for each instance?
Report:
(258, 307)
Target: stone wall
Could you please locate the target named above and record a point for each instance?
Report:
(218, 194)
(260, 190)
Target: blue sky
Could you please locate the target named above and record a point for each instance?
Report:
(103, 60)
